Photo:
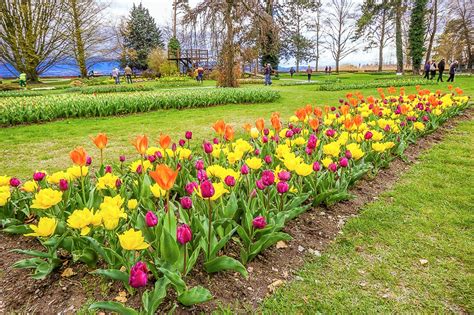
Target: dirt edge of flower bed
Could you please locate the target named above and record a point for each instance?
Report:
(312, 232)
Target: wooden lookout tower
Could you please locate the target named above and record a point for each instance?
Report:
(188, 58)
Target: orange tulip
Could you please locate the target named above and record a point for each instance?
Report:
(309, 109)
(260, 124)
(376, 110)
(348, 123)
(314, 124)
(141, 144)
(370, 99)
(78, 156)
(301, 114)
(164, 176)
(345, 109)
(165, 141)
(348, 95)
(100, 141)
(318, 112)
(402, 91)
(353, 102)
(450, 87)
(358, 120)
(326, 109)
(459, 91)
(219, 127)
(247, 127)
(275, 120)
(229, 133)
(404, 109)
(411, 97)
(392, 90)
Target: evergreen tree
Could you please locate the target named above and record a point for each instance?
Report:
(141, 35)
(416, 34)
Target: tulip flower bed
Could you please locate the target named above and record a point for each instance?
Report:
(150, 222)
(371, 84)
(14, 111)
(133, 88)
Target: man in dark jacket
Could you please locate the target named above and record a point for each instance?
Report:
(452, 71)
(441, 66)
(427, 70)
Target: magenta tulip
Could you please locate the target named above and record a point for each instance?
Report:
(39, 176)
(282, 187)
(207, 189)
(138, 275)
(14, 182)
(229, 181)
(186, 203)
(188, 135)
(259, 222)
(63, 185)
(151, 219)
(184, 234)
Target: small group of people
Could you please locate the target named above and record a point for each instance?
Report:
(268, 70)
(128, 74)
(431, 67)
(328, 69)
(199, 74)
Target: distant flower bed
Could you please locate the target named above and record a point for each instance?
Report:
(111, 89)
(365, 85)
(14, 111)
(149, 222)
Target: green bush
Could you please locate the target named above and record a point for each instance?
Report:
(381, 84)
(14, 111)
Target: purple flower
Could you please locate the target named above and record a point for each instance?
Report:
(186, 203)
(268, 159)
(260, 184)
(332, 167)
(188, 135)
(284, 176)
(63, 185)
(118, 183)
(330, 133)
(244, 170)
(256, 152)
(108, 169)
(201, 175)
(259, 222)
(184, 234)
(316, 166)
(215, 141)
(368, 135)
(14, 182)
(158, 155)
(348, 154)
(38, 176)
(268, 177)
(174, 147)
(308, 151)
(282, 187)
(343, 162)
(312, 141)
(199, 165)
(425, 118)
(229, 181)
(207, 189)
(207, 146)
(88, 161)
(289, 133)
(266, 131)
(138, 275)
(122, 158)
(181, 142)
(151, 219)
(139, 169)
(191, 187)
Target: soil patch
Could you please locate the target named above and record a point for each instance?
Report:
(312, 232)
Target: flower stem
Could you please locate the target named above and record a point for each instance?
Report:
(209, 230)
(185, 255)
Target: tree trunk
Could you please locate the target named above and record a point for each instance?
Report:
(228, 51)
(175, 12)
(433, 33)
(382, 39)
(398, 37)
(80, 51)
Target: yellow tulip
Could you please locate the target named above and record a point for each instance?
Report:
(30, 186)
(45, 228)
(132, 204)
(157, 191)
(80, 219)
(4, 180)
(4, 195)
(107, 181)
(46, 198)
(304, 169)
(254, 163)
(132, 240)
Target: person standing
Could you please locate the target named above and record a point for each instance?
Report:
(268, 74)
(452, 71)
(292, 71)
(309, 71)
(441, 66)
(22, 80)
(326, 70)
(128, 74)
(200, 71)
(329, 70)
(116, 75)
(427, 70)
(432, 69)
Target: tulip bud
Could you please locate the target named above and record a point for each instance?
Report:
(63, 185)
(368, 135)
(14, 182)
(138, 275)
(38, 176)
(191, 187)
(181, 142)
(188, 135)
(184, 234)
(265, 139)
(284, 176)
(229, 181)
(122, 158)
(260, 184)
(259, 222)
(256, 152)
(244, 170)
(207, 189)
(186, 203)
(343, 162)
(348, 154)
(316, 166)
(330, 133)
(139, 169)
(282, 187)
(268, 159)
(215, 141)
(158, 155)
(332, 167)
(118, 183)
(199, 164)
(108, 169)
(88, 161)
(151, 219)
(253, 193)
(173, 147)
(207, 146)
(268, 178)
(202, 175)
(289, 133)
(425, 118)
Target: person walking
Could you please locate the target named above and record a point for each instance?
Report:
(427, 70)
(200, 71)
(116, 75)
(128, 74)
(22, 80)
(309, 71)
(441, 66)
(292, 71)
(432, 69)
(326, 70)
(268, 74)
(452, 71)
(329, 70)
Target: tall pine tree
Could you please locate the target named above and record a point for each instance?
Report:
(416, 34)
(141, 35)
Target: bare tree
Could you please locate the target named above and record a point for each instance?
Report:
(89, 37)
(462, 13)
(316, 27)
(32, 35)
(432, 28)
(340, 29)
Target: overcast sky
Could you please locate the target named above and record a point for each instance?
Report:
(161, 11)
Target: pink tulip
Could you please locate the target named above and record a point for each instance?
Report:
(191, 187)
(268, 177)
(188, 135)
(368, 135)
(259, 222)
(343, 162)
(244, 170)
(207, 189)
(63, 185)
(14, 182)
(282, 187)
(39, 176)
(184, 234)
(207, 146)
(151, 219)
(229, 181)
(316, 166)
(138, 275)
(108, 169)
(186, 203)
(284, 176)
(332, 167)
(199, 165)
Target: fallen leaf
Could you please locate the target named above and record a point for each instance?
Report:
(68, 272)
(271, 287)
(121, 297)
(281, 244)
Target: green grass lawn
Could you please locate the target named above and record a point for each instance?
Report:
(25, 149)
(427, 216)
